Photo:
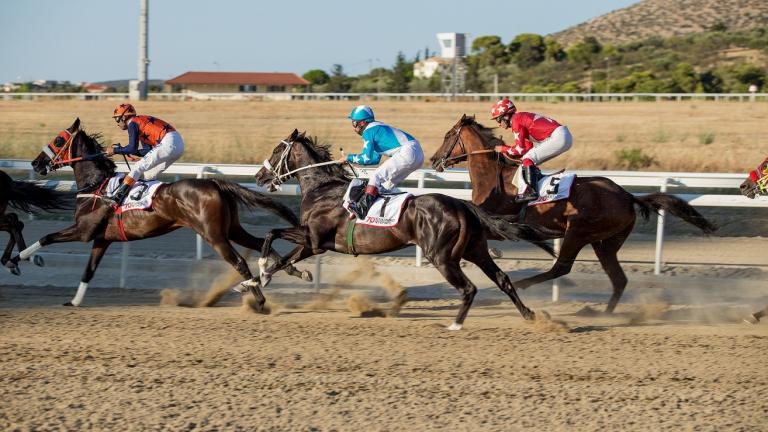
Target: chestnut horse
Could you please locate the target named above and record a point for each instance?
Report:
(207, 206)
(447, 229)
(27, 197)
(598, 212)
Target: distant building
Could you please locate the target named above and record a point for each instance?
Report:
(427, 68)
(94, 88)
(236, 82)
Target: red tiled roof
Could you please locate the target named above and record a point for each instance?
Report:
(243, 78)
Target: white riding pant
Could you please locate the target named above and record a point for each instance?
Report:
(158, 159)
(409, 158)
(557, 143)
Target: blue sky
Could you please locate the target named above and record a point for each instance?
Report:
(97, 40)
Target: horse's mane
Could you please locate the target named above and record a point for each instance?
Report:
(94, 145)
(321, 153)
(488, 138)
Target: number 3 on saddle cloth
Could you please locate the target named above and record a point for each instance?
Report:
(139, 197)
(384, 213)
(553, 187)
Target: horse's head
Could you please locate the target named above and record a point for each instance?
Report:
(295, 154)
(757, 181)
(465, 137)
(70, 146)
(280, 163)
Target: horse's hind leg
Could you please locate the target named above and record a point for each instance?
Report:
(572, 245)
(451, 271)
(606, 251)
(481, 257)
(239, 235)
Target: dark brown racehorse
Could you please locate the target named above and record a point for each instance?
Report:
(447, 229)
(207, 206)
(26, 197)
(598, 212)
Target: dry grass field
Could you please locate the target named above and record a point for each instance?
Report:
(680, 136)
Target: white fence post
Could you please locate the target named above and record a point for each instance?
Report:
(198, 239)
(419, 185)
(124, 263)
(318, 267)
(660, 233)
(555, 282)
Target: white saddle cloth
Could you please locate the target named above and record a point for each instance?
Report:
(385, 212)
(142, 202)
(553, 187)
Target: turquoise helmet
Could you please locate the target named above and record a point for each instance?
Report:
(361, 112)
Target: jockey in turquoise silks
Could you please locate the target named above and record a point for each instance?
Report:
(404, 151)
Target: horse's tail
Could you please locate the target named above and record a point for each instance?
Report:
(253, 200)
(675, 206)
(500, 228)
(29, 197)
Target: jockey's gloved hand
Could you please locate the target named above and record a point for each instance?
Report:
(111, 150)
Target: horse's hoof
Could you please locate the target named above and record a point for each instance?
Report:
(250, 283)
(751, 320)
(14, 270)
(496, 253)
(307, 276)
(69, 303)
(454, 327)
(38, 261)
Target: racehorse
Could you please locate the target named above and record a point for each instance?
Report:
(26, 197)
(756, 183)
(447, 229)
(598, 212)
(207, 206)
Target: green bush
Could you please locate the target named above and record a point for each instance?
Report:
(634, 159)
(707, 137)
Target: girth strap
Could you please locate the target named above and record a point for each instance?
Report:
(350, 236)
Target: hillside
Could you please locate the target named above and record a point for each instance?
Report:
(667, 18)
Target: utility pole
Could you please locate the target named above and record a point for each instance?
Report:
(143, 50)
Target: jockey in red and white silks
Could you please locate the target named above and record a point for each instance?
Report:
(537, 139)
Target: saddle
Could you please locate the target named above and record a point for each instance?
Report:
(385, 211)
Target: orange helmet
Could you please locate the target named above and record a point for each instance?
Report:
(502, 107)
(124, 110)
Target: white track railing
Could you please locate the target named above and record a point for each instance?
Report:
(468, 97)
(664, 181)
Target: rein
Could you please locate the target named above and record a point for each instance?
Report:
(282, 171)
(459, 141)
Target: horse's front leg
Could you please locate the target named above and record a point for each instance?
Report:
(298, 235)
(97, 253)
(84, 230)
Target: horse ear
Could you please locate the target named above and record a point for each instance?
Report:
(294, 135)
(463, 117)
(75, 126)
(301, 135)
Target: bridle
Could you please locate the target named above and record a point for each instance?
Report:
(445, 159)
(282, 172)
(62, 156)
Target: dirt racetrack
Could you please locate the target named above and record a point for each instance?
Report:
(138, 366)
(675, 356)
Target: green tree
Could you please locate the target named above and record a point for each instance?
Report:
(585, 52)
(402, 73)
(339, 82)
(553, 50)
(527, 49)
(685, 78)
(316, 77)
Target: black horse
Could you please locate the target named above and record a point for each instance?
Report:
(207, 206)
(447, 229)
(27, 197)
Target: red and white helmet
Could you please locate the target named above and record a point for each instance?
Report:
(502, 107)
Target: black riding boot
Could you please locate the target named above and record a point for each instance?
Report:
(119, 195)
(531, 176)
(361, 207)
